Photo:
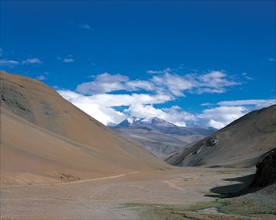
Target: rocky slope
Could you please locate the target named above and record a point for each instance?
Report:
(240, 144)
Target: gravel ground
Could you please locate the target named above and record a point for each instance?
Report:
(106, 198)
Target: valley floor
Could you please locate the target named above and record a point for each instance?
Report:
(145, 195)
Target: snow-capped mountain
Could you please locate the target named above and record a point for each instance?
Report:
(129, 122)
(134, 121)
(159, 136)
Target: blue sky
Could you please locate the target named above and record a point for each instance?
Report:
(193, 63)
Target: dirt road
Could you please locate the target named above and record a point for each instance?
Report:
(106, 198)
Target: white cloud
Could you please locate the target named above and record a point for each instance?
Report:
(12, 63)
(145, 111)
(68, 60)
(173, 114)
(247, 76)
(172, 83)
(9, 63)
(228, 111)
(223, 115)
(100, 106)
(154, 71)
(139, 84)
(166, 83)
(113, 100)
(257, 103)
(84, 26)
(32, 61)
(216, 124)
(105, 83)
(210, 90)
(139, 98)
(41, 77)
(212, 82)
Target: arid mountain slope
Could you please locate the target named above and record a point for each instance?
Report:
(240, 144)
(44, 138)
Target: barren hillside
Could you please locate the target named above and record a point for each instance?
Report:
(44, 138)
(240, 144)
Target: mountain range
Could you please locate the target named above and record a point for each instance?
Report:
(159, 136)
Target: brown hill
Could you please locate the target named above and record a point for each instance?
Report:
(44, 138)
(240, 144)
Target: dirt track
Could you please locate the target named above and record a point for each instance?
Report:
(104, 198)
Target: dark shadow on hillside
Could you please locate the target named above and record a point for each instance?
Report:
(265, 176)
(236, 189)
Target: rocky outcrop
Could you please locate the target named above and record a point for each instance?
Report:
(212, 141)
(266, 170)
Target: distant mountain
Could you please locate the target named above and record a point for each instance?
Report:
(134, 122)
(159, 136)
(240, 144)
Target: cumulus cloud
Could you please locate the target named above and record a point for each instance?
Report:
(165, 82)
(212, 82)
(221, 116)
(173, 83)
(96, 98)
(100, 106)
(228, 111)
(105, 83)
(32, 61)
(115, 100)
(106, 93)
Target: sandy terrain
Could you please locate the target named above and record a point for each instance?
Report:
(105, 198)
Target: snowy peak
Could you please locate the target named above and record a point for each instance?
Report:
(128, 122)
(158, 121)
(134, 121)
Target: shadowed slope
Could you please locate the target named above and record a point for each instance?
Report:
(240, 144)
(47, 139)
